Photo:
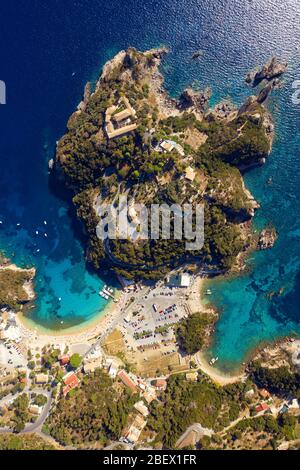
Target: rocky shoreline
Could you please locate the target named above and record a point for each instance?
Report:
(267, 238)
(25, 282)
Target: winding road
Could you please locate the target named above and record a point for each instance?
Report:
(38, 424)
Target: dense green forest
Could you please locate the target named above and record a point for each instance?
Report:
(184, 403)
(280, 380)
(97, 411)
(192, 331)
(93, 166)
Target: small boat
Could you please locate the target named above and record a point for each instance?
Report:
(73, 74)
(36, 232)
(208, 292)
(45, 235)
(213, 360)
(18, 224)
(45, 222)
(105, 296)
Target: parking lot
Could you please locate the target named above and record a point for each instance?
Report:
(11, 354)
(146, 322)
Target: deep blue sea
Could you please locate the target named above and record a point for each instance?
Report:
(49, 49)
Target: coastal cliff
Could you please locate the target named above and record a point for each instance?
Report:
(129, 136)
(16, 285)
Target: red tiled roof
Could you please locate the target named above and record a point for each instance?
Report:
(262, 407)
(161, 383)
(71, 379)
(126, 380)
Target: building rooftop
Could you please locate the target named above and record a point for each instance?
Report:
(41, 378)
(192, 376)
(141, 408)
(127, 380)
(121, 131)
(262, 407)
(190, 173)
(126, 113)
(179, 280)
(114, 119)
(64, 359)
(167, 146)
(71, 381)
(161, 383)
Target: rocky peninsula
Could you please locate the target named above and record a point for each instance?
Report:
(16, 285)
(129, 136)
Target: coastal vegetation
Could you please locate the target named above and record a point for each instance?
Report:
(280, 380)
(21, 414)
(96, 168)
(192, 333)
(12, 292)
(262, 432)
(96, 412)
(75, 360)
(184, 403)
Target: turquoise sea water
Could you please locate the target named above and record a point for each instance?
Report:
(43, 43)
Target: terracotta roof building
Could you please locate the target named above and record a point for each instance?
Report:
(262, 407)
(127, 380)
(71, 381)
(118, 123)
(161, 384)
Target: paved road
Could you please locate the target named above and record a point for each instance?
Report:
(37, 426)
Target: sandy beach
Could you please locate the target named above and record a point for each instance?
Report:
(214, 374)
(37, 336)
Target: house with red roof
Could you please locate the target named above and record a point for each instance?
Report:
(71, 381)
(161, 384)
(127, 380)
(262, 407)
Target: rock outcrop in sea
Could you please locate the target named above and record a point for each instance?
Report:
(272, 69)
(267, 239)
